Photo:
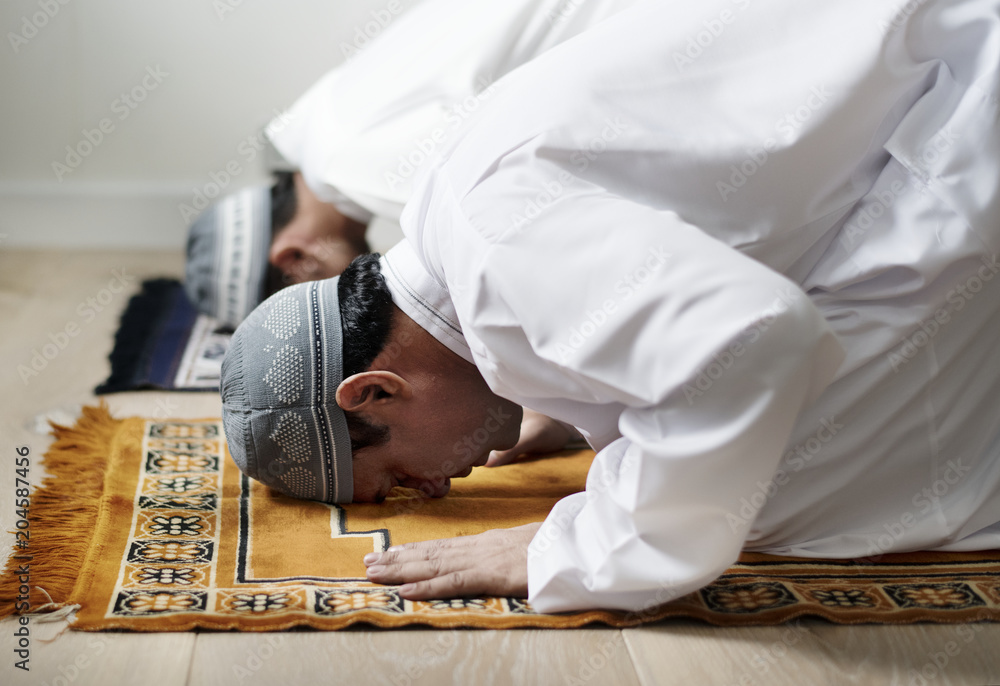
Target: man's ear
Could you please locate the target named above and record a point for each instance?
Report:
(362, 392)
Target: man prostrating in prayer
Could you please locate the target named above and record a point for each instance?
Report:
(759, 278)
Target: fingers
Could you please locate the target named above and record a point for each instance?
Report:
(416, 561)
(498, 458)
(491, 563)
(453, 585)
(404, 572)
(418, 550)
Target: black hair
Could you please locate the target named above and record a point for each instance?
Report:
(284, 205)
(366, 321)
(283, 200)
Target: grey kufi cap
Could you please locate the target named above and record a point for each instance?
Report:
(227, 255)
(279, 387)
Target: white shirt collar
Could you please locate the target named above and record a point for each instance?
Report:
(422, 298)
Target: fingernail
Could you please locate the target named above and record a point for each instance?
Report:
(394, 549)
(375, 570)
(406, 588)
(371, 557)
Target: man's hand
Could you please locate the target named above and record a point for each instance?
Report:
(493, 563)
(539, 434)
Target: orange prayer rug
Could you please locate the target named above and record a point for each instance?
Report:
(147, 525)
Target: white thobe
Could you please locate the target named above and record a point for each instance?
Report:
(360, 134)
(749, 250)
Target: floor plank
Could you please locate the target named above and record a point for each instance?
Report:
(816, 652)
(80, 658)
(411, 657)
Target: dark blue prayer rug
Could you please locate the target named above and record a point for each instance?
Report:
(164, 343)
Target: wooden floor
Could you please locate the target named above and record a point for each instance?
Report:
(43, 293)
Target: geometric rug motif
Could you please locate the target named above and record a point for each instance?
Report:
(176, 538)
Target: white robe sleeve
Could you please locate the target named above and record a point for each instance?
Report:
(712, 354)
(571, 298)
(361, 133)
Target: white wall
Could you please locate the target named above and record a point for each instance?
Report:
(182, 87)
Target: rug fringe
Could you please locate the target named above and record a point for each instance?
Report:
(62, 514)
